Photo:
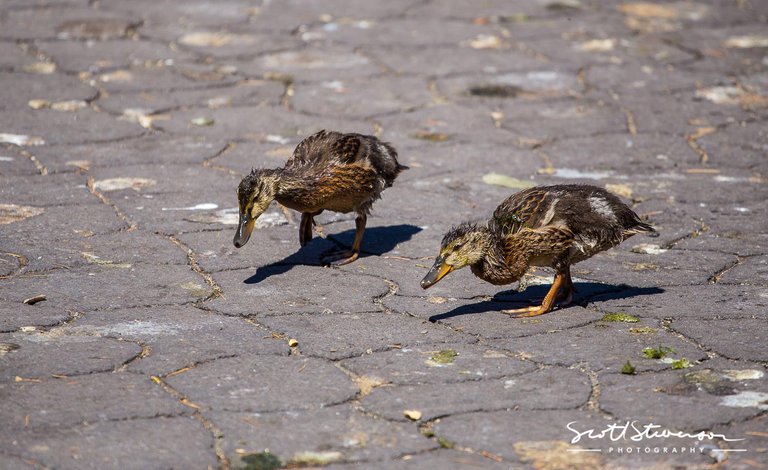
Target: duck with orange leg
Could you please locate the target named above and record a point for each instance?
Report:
(545, 226)
(328, 171)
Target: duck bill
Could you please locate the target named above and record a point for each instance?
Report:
(244, 229)
(438, 271)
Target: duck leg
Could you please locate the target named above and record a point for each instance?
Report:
(305, 228)
(341, 258)
(565, 297)
(549, 300)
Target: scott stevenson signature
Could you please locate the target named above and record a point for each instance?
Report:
(633, 431)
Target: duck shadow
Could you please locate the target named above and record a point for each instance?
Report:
(376, 242)
(585, 292)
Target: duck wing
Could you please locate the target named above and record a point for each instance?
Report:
(531, 208)
(324, 149)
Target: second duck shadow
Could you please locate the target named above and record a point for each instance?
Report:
(376, 242)
(585, 293)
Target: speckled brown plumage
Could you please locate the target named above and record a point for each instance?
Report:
(548, 226)
(328, 171)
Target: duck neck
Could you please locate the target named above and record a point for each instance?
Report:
(493, 267)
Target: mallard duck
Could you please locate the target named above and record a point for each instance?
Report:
(328, 171)
(548, 226)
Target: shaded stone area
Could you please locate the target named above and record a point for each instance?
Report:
(134, 335)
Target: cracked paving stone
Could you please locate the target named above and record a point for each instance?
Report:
(165, 79)
(602, 346)
(416, 364)
(462, 126)
(497, 432)
(136, 443)
(261, 384)
(336, 429)
(63, 22)
(423, 32)
(15, 316)
(140, 151)
(326, 63)
(443, 61)
(361, 98)
(158, 107)
(84, 125)
(295, 289)
(673, 267)
(56, 403)
(180, 336)
(555, 388)
(97, 57)
(109, 287)
(668, 399)
(257, 123)
(439, 458)
(48, 190)
(752, 271)
(753, 431)
(734, 338)
(697, 303)
(46, 353)
(82, 246)
(338, 336)
(19, 90)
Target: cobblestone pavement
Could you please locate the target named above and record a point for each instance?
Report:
(126, 126)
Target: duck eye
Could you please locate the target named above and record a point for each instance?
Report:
(458, 246)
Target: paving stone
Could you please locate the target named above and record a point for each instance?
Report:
(139, 443)
(55, 403)
(179, 336)
(311, 64)
(440, 458)
(669, 399)
(108, 287)
(288, 435)
(158, 105)
(64, 22)
(260, 384)
(17, 315)
(752, 431)
(604, 346)
(699, 302)
(545, 389)
(360, 99)
(102, 56)
(285, 288)
(455, 363)
(81, 126)
(143, 150)
(75, 355)
(51, 88)
(338, 336)
(12, 56)
(733, 338)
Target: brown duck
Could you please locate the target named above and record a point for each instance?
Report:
(328, 171)
(548, 226)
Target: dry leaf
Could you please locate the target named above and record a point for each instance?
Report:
(598, 45)
(620, 189)
(10, 213)
(649, 10)
(39, 104)
(203, 39)
(746, 42)
(434, 299)
(117, 76)
(507, 181)
(366, 384)
(292, 343)
(43, 68)
(83, 165)
(556, 455)
(34, 300)
(21, 140)
(71, 105)
(413, 415)
(115, 184)
(485, 41)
